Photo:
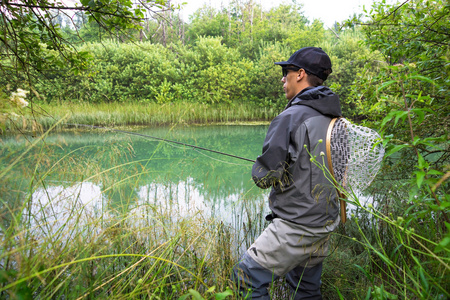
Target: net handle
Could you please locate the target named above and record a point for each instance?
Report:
(330, 167)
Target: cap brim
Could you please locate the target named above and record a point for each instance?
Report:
(282, 63)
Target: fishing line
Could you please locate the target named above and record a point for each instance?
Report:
(216, 159)
(210, 157)
(161, 139)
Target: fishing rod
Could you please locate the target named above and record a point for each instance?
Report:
(160, 139)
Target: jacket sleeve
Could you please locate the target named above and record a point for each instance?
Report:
(270, 166)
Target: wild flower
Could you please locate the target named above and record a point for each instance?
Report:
(19, 97)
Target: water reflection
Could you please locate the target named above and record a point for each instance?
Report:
(56, 207)
(93, 176)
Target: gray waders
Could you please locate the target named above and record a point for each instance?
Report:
(284, 249)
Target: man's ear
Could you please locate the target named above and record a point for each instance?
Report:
(301, 75)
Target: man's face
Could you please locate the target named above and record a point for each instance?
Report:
(290, 85)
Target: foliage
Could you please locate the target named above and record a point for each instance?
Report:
(265, 89)
(204, 73)
(30, 29)
(225, 57)
(350, 57)
(215, 72)
(398, 81)
(207, 72)
(12, 108)
(244, 26)
(408, 240)
(145, 114)
(61, 240)
(208, 22)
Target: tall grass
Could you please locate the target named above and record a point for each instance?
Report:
(43, 116)
(113, 257)
(115, 246)
(56, 244)
(390, 248)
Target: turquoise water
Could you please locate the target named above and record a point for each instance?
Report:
(100, 171)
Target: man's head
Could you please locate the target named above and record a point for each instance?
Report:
(309, 66)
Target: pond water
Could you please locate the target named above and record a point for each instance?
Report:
(100, 171)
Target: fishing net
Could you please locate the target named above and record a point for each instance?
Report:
(354, 156)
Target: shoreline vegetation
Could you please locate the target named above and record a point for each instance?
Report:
(124, 115)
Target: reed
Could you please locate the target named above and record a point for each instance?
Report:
(43, 116)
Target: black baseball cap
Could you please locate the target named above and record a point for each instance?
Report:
(312, 59)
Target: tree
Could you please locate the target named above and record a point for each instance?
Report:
(349, 55)
(407, 99)
(30, 28)
(206, 21)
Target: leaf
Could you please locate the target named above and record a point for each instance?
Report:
(422, 162)
(369, 276)
(420, 113)
(423, 279)
(422, 78)
(444, 205)
(223, 295)
(380, 293)
(339, 294)
(435, 172)
(195, 295)
(396, 149)
(386, 84)
(444, 244)
(375, 106)
(386, 119)
(419, 178)
(400, 115)
(418, 141)
(369, 292)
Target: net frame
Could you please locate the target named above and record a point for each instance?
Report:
(354, 155)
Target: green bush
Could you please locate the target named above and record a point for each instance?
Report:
(208, 72)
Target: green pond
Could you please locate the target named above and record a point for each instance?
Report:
(102, 171)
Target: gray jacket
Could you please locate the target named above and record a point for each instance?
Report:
(300, 191)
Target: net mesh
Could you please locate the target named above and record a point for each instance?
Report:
(356, 154)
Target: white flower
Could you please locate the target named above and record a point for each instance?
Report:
(22, 102)
(18, 97)
(321, 153)
(22, 93)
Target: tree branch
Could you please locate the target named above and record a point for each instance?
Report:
(79, 8)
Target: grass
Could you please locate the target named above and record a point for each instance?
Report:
(55, 244)
(43, 116)
(68, 248)
(113, 257)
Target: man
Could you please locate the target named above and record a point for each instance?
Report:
(303, 201)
